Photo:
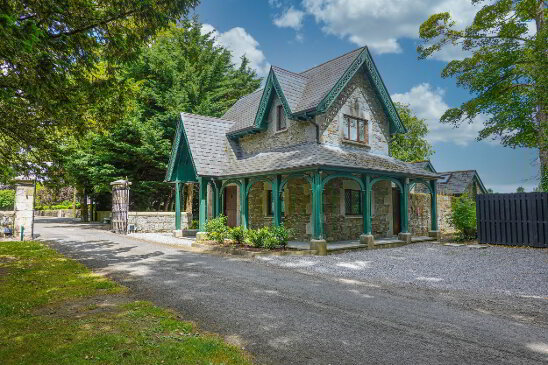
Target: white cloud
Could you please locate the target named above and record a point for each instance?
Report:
(290, 18)
(275, 3)
(240, 43)
(379, 24)
(427, 103)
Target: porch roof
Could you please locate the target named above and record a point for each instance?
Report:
(216, 155)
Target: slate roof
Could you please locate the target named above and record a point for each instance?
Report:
(456, 182)
(215, 155)
(303, 91)
(427, 165)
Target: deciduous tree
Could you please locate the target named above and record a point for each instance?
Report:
(411, 146)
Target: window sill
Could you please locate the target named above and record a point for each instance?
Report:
(354, 216)
(358, 144)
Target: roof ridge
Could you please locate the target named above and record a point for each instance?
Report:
(291, 72)
(205, 117)
(333, 59)
(448, 172)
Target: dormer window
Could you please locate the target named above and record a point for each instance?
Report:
(280, 118)
(355, 129)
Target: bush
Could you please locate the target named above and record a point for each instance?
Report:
(463, 217)
(237, 234)
(7, 199)
(257, 237)
(195, 224)
(217, 229)
(281, 235)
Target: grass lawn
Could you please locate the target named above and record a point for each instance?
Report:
(53, 310)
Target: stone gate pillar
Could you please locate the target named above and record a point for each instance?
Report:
(120, 205)
(25, 189)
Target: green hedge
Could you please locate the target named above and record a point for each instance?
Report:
(7, 199)
(67, 204)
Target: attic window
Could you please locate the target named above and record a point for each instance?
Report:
(280, 118)
(355, 129)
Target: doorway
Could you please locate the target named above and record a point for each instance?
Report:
(396, 211)
(230, 204)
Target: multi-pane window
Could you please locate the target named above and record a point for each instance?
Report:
(270, 203)
(352, 202)
(355, 129)
(280, 118)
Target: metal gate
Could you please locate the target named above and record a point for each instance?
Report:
(519, 219)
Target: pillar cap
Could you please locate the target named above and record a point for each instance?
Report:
(121, 182)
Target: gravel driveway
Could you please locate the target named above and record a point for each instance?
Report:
(496, 269)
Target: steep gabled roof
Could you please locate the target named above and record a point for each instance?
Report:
(213, 154)
(427, 165)
(310, 92)
(456, 182)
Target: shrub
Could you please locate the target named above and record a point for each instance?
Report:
(237, 234)
(217, 229)
(195, 224)
(257, 237)
(7, 199)
(463, 217)
(281, 235)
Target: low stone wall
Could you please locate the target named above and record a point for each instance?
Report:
(6, 220)
(59, 213)
(151, 221)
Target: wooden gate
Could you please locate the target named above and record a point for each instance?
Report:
(519, 219)
(120, 205)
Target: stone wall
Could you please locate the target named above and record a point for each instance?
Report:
(337, 226)
(420, 217)
(296, 132)
(7, 219)
(152, 221)
(24, 208)
(59, 213)
(360, 100)
(382, 210)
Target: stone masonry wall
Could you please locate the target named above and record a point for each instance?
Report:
(359, 100)
(152, 221)
(296, 132)
(24, 208)
(7, 219)
(420, 217)
(381, 209)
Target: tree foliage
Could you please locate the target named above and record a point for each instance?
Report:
(58, 62)
(507, 72)
(411, 146)
(463, 216)
(181, 70)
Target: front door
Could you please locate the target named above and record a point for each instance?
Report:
(396, 212)
(231, 205)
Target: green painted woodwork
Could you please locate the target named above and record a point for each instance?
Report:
(367, 223)
(345, 176)
(255, 180)
(177, 205)
(414, 182)
(222, 191)
(216, 199)
(203, 202)
(317, 206)
(388, 178)
(295, 176)
(276, 201)
(244, 203)
(181, 165)
(434, 205)
(404, 204)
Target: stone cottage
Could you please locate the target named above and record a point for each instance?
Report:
(311, 150)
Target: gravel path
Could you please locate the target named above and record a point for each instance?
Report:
(162, 238)
(496, 269)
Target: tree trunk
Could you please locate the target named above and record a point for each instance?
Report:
(84, 205)
(542, 116)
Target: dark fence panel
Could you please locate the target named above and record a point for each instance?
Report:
(519, 219)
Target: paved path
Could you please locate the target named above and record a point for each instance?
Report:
(284, 316)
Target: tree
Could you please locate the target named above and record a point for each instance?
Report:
(411, 146)
(180, 70)
(507, 72)
(58, 61)
(490, 191)
(520, 189)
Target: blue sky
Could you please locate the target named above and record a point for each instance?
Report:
(297, 35)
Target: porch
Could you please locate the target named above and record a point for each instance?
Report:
(332, 208)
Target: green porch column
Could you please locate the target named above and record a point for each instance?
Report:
(216, 200)
(177, 205)
(434, 205)
(317, 202)
(276, 201)
(367, 204)
(203, 202)
(404, 205)
(244, 208)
